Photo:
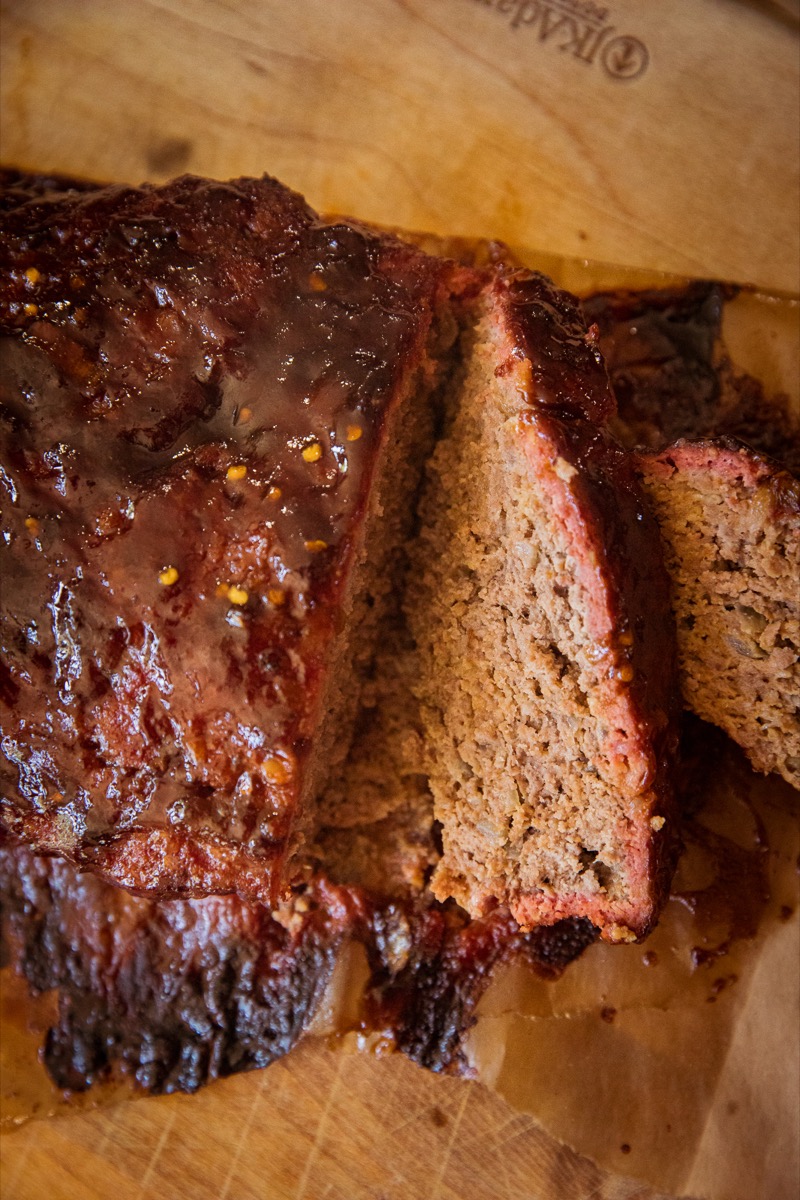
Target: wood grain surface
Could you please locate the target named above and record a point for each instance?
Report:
(673, 144)
(319, 1124)
(458, 116)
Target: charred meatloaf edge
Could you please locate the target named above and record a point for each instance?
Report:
(177, 993)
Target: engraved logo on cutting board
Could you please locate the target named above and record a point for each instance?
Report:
(579, 28)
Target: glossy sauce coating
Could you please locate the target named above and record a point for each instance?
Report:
(195, 383)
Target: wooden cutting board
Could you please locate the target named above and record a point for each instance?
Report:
(663, 136)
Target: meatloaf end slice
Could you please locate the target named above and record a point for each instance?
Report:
(730, 524)
(540, 608)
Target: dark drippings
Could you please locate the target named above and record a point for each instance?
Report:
(731, 903)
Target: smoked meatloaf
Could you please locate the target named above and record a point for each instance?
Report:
(217, 409)
(539, 605)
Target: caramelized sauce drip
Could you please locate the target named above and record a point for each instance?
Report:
(672, 378)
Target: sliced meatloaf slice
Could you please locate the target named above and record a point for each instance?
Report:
(215, 409)
(540, 608)
(730, 524)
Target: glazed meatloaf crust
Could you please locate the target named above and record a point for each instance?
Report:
(730, 524)
(539, 603)
(215, 406)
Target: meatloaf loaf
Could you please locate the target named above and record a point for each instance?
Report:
(215, 408)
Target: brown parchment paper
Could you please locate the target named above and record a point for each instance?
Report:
(677, 1061)
(687, 1076)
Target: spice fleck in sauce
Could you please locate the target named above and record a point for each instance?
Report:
(195, 384)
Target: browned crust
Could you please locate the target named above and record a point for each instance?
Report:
(167, 863)
(732, 461)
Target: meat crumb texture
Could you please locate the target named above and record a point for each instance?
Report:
(540, 608)
(730, 524)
